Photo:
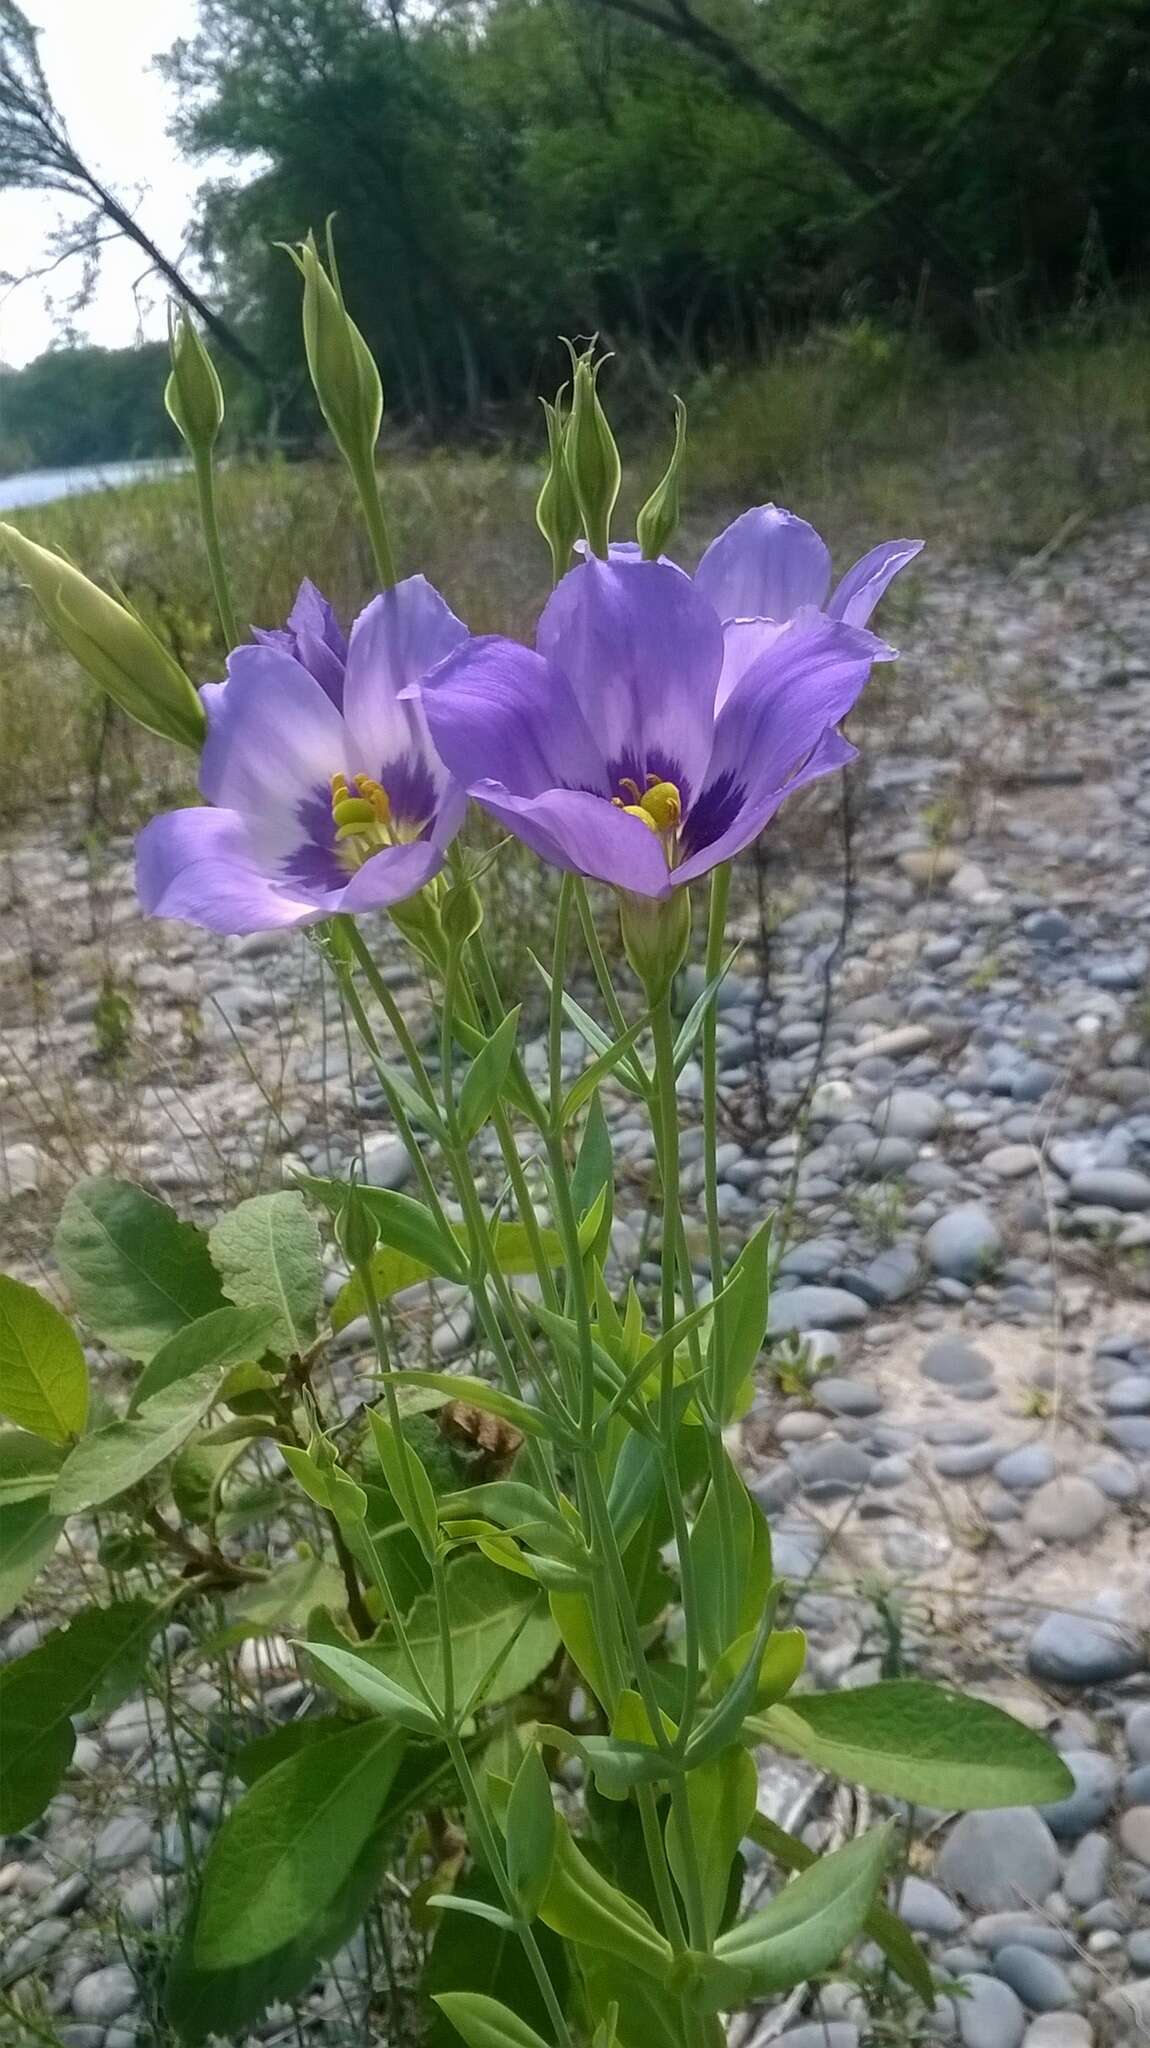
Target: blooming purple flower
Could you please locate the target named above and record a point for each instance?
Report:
(317, 803)
(653, 732)
(313, 635)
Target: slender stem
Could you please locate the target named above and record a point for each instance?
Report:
(360, 1618)
(716, 931)
(366, 479)
(555, 1019)
(221, 590)
(493, 1852)
(599, 965)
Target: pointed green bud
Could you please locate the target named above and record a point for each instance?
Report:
(342, 367)
(659, 518)
(356, 1229)
(111, 643)
(592, 456)
(556, 513)
(656, 932)
(193, 394)
(462, 912)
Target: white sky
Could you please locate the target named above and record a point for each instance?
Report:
(97, 57)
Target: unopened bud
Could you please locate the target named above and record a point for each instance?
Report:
(592, 456)
(193, 393)
(111, 643)
(417, 920)
(342, 367)
(659, 517)
(462, 913)
(556, 512)
(356, 1229)
(656, 932)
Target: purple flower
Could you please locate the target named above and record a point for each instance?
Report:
(653, 732)
(312, 634)
(314, 805)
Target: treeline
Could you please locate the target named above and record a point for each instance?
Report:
(81, 405)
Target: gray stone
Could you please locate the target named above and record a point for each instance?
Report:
(1087, 1868)
(1130, 1433)
(143, 1900)
(966, 1244)
(1079, 1649)
(1111, 1187)
(121, 1841)
(890, 1276)
(832, 1468)
(1039, 1981)
(1003, 1858)
(815, 1308)
(990, 2014)
(1138, 1733)
(80, 2037)
(1095, 1789)
(912, 1113)
(965, 1461)
(915, 1550)
(1130, 1396)
(1028, 1466)
(1115, 1477)
(65, 1896)
(130, 1727)
(878, 1158)
(1134, 1833)
(1138, 1950)
(1021, 1930)
(105, 1994)
(952, 1362)
(928, 1910)
(386, 1161)
(847, 1397)
(1066, 1510)
(1059, 2030)
(835, 2034)
(30, 1949)
(1128, 2005)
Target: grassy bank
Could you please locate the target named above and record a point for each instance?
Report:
(866, 433)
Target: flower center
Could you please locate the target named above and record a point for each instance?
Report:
(361, 814)
(659, 807)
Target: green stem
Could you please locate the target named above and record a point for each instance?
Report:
(366, 480)
(221, 591)
(555, 1016)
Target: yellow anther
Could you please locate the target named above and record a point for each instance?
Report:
(635, 811)
(376, 795)
(361, 814)
(663, 805)
(632, 788)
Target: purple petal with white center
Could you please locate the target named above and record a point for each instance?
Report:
(313, 636)
(391, 875)
(500, 713)
(398, 638)
(643, 651)
(778, 711)
(855, 597)
(743, 642)
(766, 565)
(829, 753)
(274, 739)
(585, 834)
(200, 866)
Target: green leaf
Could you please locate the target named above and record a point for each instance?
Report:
(631, 1072)
(404, 1224)
(134, 1272)
(720, 1800)
(28, 1466)
(407, 1479)
(266, 1253)
(484, 2023)
(693, 1022)
(485, 1077)
(481, 1394)
(28, 1532)
(884, 1927)
(745, 1555)
(584, 1906)
(228, 1336)
(524, 1511)
(618, 1763)
(43, 1372)
(284, 1851)
(256, 1758)
(121, 1454)
(594, 1176)
(356, 1678)
(502, 1635)
(197, 1476)
(39, 1694)
(742, 1318)
(280, 1603)
(582, 1089)
(922, 1743)
(530, 1831)
(392, 1271)
(806, 1928)
(574, 1618)
(482, 1959)
(722, 1725)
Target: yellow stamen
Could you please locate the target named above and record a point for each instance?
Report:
(634, 811)
(664, 804)
(362, 818)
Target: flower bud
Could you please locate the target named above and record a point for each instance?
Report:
(659, 517)
(656, 933)
(356, 1229)
(342, 367)
(111, 643)
(193, 394)
(592, 457)
(462, 913)
(417, 920)
(556, 513)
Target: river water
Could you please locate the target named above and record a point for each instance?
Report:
(41, 486)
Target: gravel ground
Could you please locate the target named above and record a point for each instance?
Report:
(963, 1147)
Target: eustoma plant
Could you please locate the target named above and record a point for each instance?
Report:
(604, 1592)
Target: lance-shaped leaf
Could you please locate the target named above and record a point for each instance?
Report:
(134, 1272)
(357, 1679)
(922, 1743)
(267, 1255)
(228, 1336)
(404, 1224)
(741, 1320)
(720, 1801)
(584, 1906)
(601, 1069)
(502, 1636)
(39, 1694)
(485, 1078)
(530, 1831)
(43, 1373)
(481, 1394)
(484, 2023)
(289, 1845)
(805, 1929)
(884, 1927)
(121, 1454)
(693, 1022)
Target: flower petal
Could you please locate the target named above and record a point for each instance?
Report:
(274, 739)
(829, 753)
(801, 685)
(395, 641)
(766, 565)
(743, 642)
(855, 597)
(643, 651)
(200, 866)
(391, 875)
(585, 834)
(500, 713)
(313, 635)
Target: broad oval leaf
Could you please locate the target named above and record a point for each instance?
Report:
(28, 1465)
(227, 1336)
(39, 1694)
(28, 1532)
(922, 1743)
(290, 1844)
(266, 1253)
(134, 1272)
(120, 1455)
(43, 1372)
(807, 1926)
(502, 1636)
